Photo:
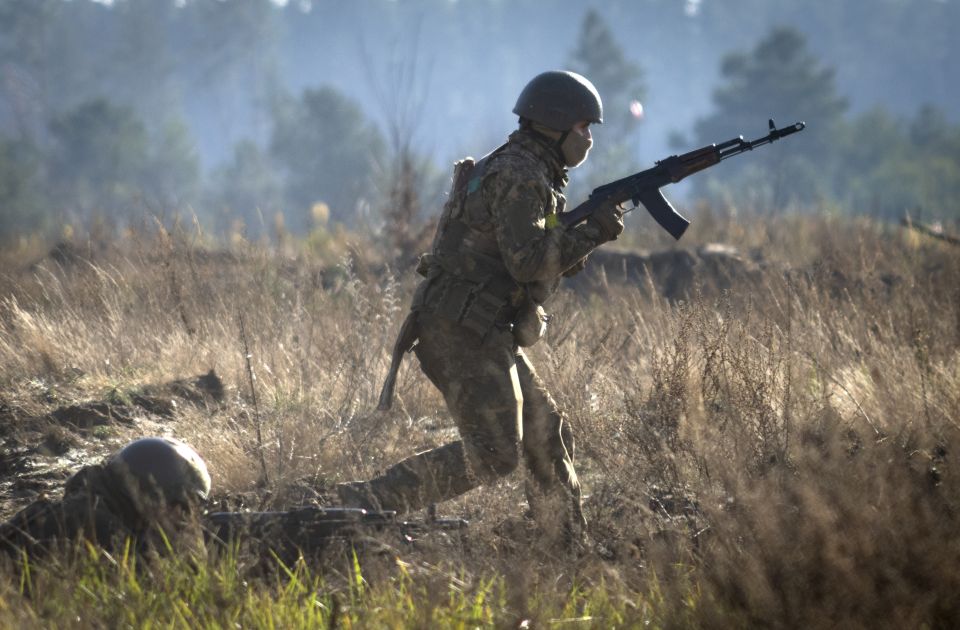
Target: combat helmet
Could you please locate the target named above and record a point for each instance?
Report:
(559, 99)
(158, 470)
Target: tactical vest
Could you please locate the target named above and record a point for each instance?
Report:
(467, 281)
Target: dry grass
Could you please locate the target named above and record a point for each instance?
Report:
(783, 455)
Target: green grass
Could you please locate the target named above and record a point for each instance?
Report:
(96, 589)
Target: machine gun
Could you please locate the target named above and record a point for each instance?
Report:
(644, 187)
(310, 529)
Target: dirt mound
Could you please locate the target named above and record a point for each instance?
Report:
(674, 274)
(66, 254)
(93, 414)
(205, 391)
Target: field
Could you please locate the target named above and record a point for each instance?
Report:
(772, 442)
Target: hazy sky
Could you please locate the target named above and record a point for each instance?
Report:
(465, 62)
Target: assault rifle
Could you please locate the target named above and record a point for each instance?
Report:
(310, 529)
(644, 187)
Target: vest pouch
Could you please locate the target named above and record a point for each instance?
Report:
(530, 325)
(424, 263)
(447, 298)
(483, 313)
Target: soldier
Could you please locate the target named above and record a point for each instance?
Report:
(498, 254)
(151, 485)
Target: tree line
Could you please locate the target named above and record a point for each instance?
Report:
(71, 151)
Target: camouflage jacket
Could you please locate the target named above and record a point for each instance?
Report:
(92, 508)
(522, 191)
(499, 240)
(499, 251)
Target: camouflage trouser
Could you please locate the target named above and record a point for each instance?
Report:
(501, 409)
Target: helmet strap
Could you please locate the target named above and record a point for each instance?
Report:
(558, 145)
(550, 135)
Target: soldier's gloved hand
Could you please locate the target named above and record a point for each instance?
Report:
(609, 222)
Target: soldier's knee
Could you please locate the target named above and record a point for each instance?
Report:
(505, 462)
(493, 461)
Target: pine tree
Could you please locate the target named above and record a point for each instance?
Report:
(100, 157)
(326, 148)
(778, 79)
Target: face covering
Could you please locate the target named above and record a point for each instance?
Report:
(575, 149)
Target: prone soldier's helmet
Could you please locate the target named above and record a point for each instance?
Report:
(559, 99)
(158, 471)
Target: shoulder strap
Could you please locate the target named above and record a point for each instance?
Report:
(480, 168)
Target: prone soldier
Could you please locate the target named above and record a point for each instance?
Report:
(151, 488)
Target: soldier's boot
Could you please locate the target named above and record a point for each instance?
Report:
(559, 516)
(429, 477)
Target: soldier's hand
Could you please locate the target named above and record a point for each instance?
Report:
(609, 222)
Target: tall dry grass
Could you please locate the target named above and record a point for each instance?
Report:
(783, 454)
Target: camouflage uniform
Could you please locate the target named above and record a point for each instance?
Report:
(93, 508)
(148, 491)
(499, 251)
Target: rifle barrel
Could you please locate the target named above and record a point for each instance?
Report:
(737, 148)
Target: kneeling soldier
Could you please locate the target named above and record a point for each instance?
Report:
(498, 254)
